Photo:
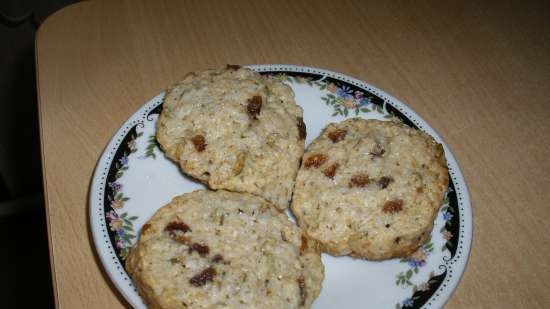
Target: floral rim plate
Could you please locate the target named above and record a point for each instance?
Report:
(133, 179)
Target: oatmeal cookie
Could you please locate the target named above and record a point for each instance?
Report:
(236, 130)
(220, 249)
(370, 189)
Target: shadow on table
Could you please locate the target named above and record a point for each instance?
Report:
(25, 279)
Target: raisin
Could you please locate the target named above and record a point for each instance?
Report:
(145, 227)
(337, 135)
(254, 106)
(217, 258)
(384, 181)
(331, 170)
(377, 151)
(303, 246)
(315, 160)
(202, 250)
(233, 66)
(302, 133)
(393, 206)
(199, 142)
(200, 279)
(181, 239)
(359, 180)
(176, 226)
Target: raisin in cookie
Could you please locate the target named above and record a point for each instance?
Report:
(220, 249)
(370, 189)
(235, 130)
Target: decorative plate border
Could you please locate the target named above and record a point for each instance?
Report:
(104, 193)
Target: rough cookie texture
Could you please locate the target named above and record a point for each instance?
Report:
(219, 249)
(236, 130)
(370, 189)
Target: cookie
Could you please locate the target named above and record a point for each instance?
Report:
(236, 130)
(370, 189)
(220, 249)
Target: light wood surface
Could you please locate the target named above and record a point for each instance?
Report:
(479, 73)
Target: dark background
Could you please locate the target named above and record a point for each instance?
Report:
(25, 278)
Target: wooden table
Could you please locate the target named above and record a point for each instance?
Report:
(478, 73)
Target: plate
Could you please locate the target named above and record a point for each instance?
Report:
(133, 179)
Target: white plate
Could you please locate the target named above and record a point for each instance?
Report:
(133, 179)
